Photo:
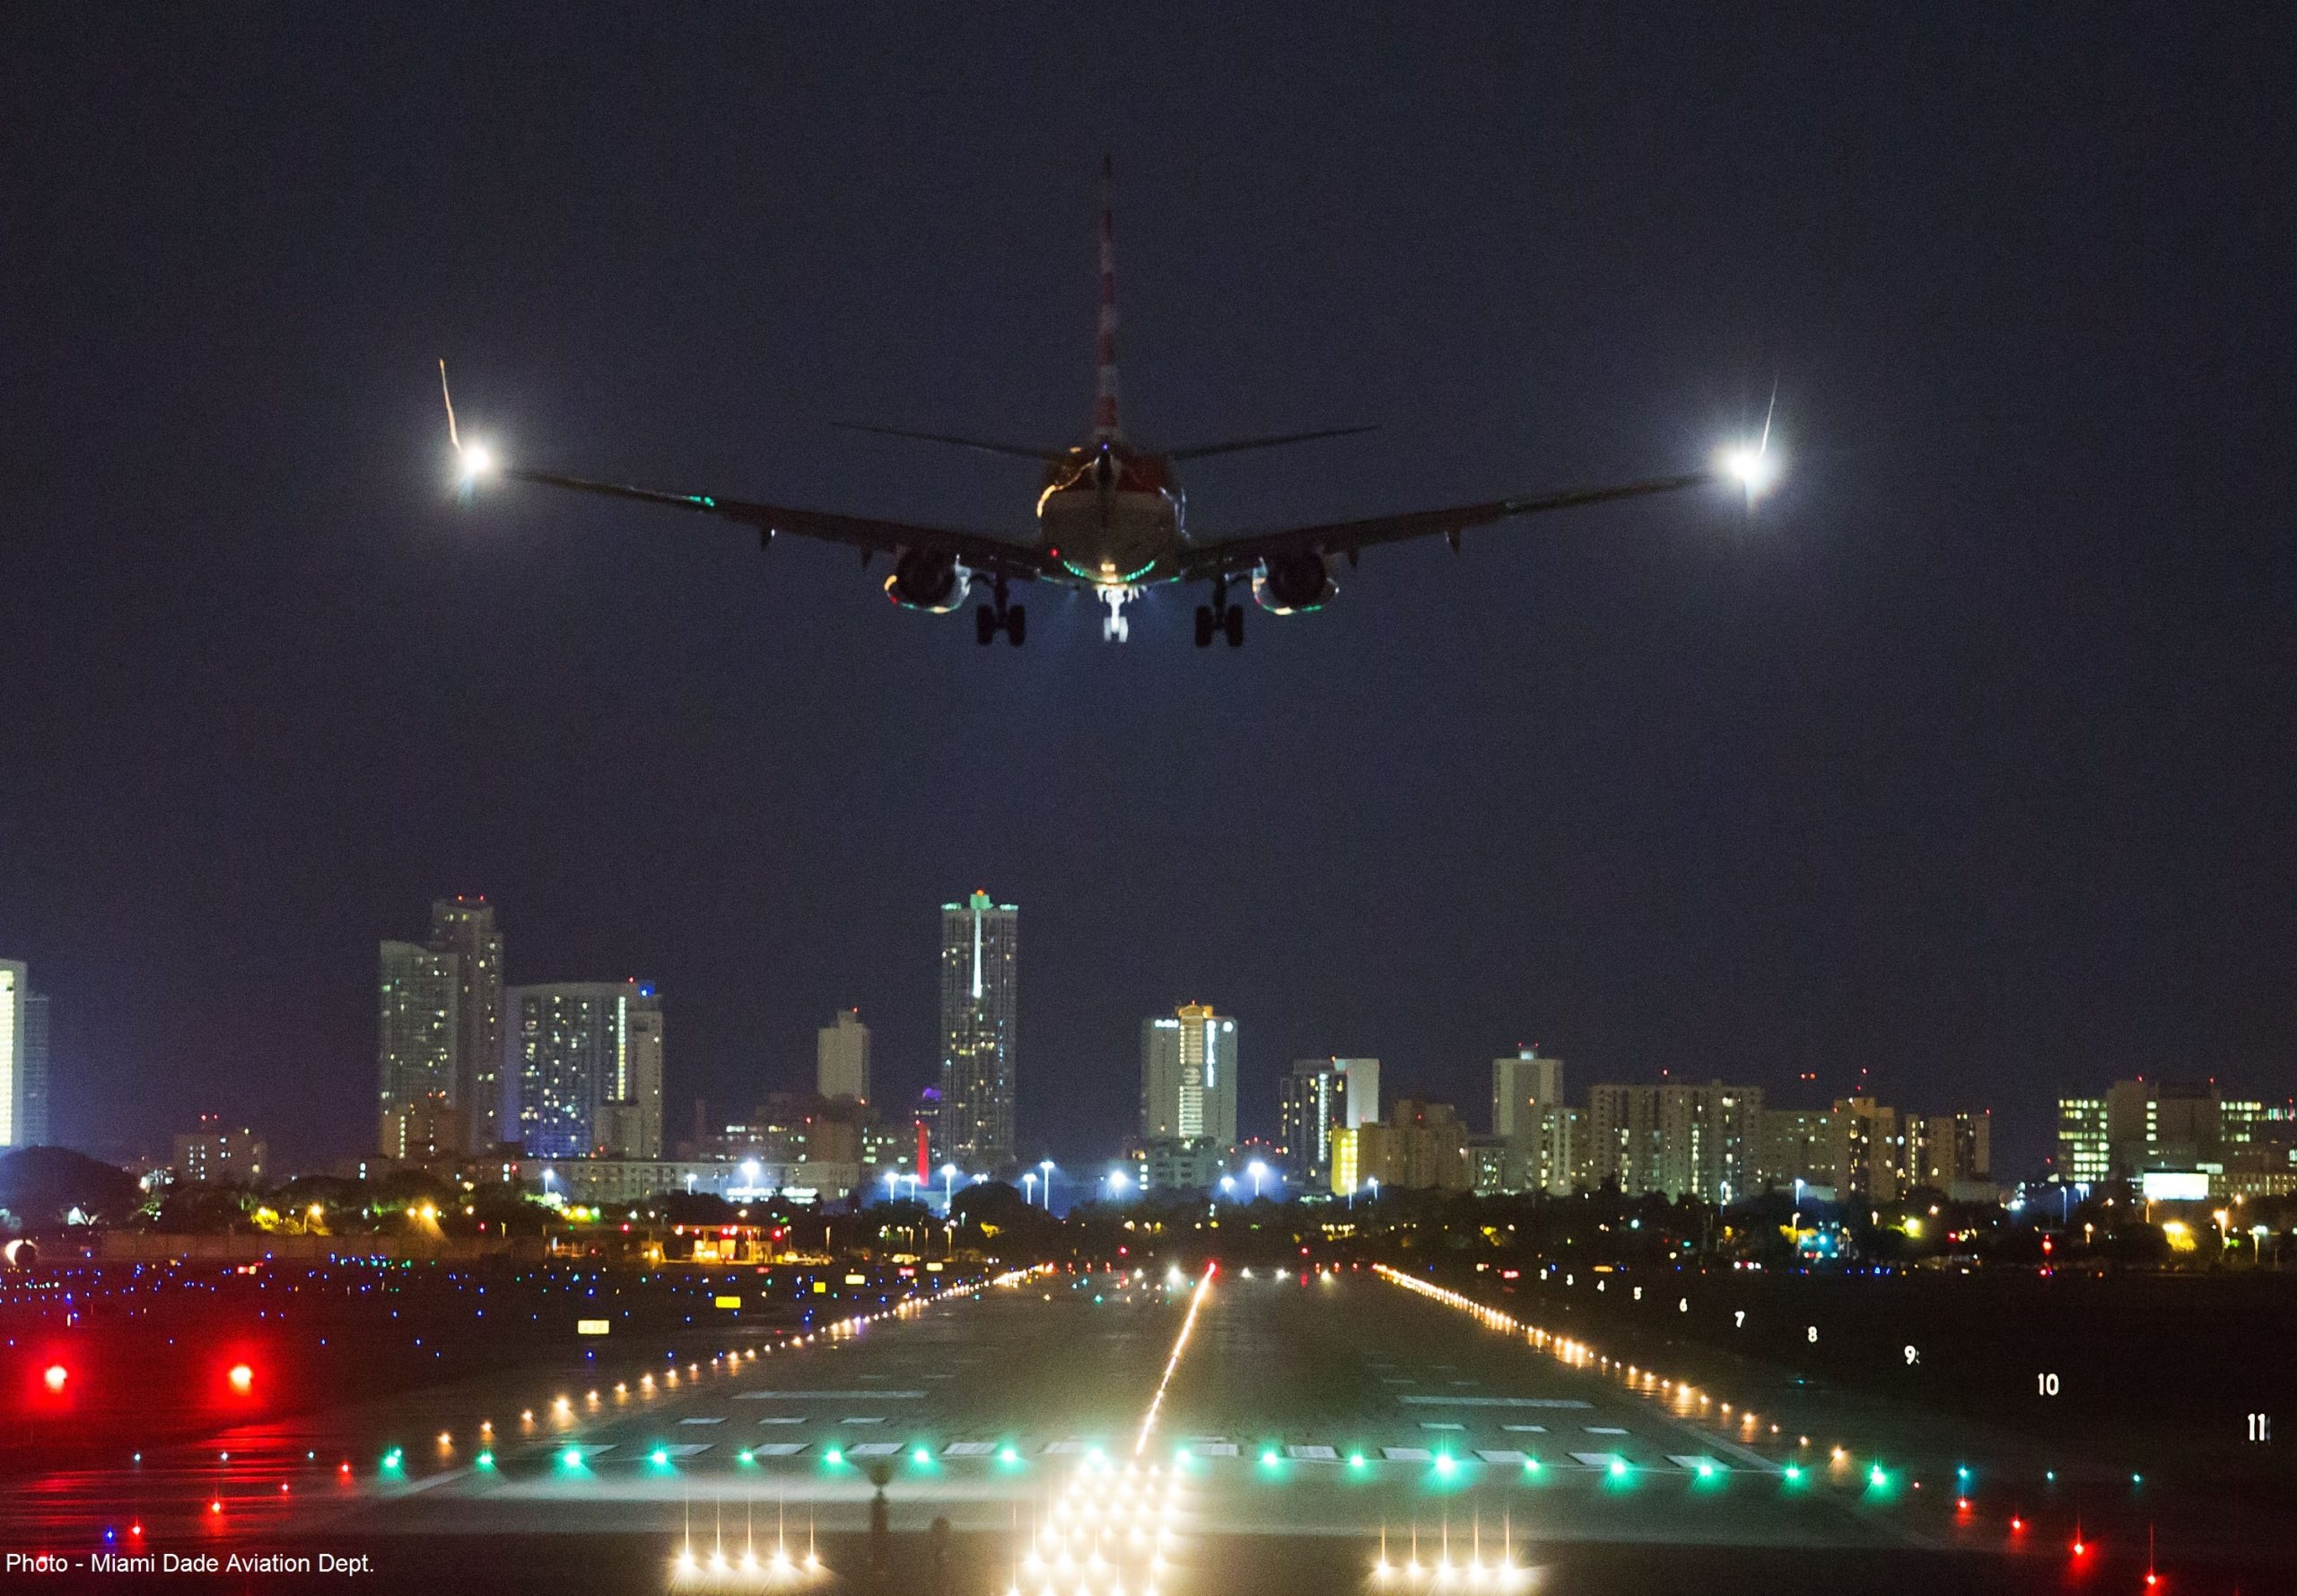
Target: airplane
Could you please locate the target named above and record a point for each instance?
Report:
(1111, 517)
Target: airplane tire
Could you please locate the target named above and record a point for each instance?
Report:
(1203, 626)
(1017, 624)
(1235, 626)
(984, 625)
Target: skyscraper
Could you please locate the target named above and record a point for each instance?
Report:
(17, 1005)
(1523, 1088)
(464, 927)
(32, 1126)
(980, 978)
(842, 1056)
(589, 1059)
(417, 1034)
(1682, 1141)
(1188, 1076)
(1316, 1104)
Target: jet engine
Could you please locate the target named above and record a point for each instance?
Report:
(1290, 584)
(930, 579)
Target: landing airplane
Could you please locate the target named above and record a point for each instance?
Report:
(1110, 517)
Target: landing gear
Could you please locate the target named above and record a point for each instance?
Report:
(1219, 617)
(1114, 627)
(1011, 619)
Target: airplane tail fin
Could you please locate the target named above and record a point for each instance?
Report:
(1104, 422)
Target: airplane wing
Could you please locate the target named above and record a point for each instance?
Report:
(1233, 557)
(977, 550)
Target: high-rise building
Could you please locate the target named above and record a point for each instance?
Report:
(1522, 1088)
(1951, 1153)
(32, 1126)
(15, 989)
(842, 1056)
(1363, 1079)
(215, 1154)
(1797, 1148)
(2084, 1150)
(465, 927)
(1868, 1149)
(1680, 1141)
(1188, 1076)
(1419, 1147)
(588, 1061)
(980, 984)
(419, 1033)
(1314, 1105)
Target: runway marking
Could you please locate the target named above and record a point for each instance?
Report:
(1597, 1460)
(702, 1421)
(1492, 1402)
(778, 1449)
(1698, 1463)
(829, 1396)
(969, 1449)
(1214, 1449)
(1437, 1424)
(780, 1418)
(1312, 1455)
(684, 1449)
(874, 1449)
(1500, 1454)
(1525, 1429)
(873, 1418)
(1605, 1430)
(1407, 1454)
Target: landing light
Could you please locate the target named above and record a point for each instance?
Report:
(1753, 468)
(475, 460)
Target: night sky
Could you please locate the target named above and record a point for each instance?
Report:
(1967, 761)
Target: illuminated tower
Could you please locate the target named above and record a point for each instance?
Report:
(1188, 1076)
(589, 1057)
(417, 1027)
(13, 990)
(842, 1056)
(464, 927)
(980, 979)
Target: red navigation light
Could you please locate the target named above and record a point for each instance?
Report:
(54, 1377)
(242, 1379)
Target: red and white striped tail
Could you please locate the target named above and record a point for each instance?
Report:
(1105, 395)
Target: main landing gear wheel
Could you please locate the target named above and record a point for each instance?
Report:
(1204, 626)
(1017, 624)
(1233, 624)
(984, 625)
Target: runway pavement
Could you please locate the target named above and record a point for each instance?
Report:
(1342, 1415)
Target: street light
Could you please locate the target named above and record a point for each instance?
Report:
(1028, 1188)
(1259, 1172)
(1046, 1167)
(1229, 1184)
(1119, 1181)
(948, 1185)
(893, 1184)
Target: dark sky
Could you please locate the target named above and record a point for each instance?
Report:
(1968, 760)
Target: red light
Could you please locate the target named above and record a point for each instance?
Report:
(2017, 1523)
(243, 1378)
(54, 1377)
(2079, 1549)
(215, 1507)
(343, 1469)
(135, 1529)
(1963, 1505)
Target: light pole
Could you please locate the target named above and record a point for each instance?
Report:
(1028, 1188)
(1259, 1172)
(1045, 1169)
(948, 1185)
(1119, 1181)
(1229, 1184)
(893, 1184)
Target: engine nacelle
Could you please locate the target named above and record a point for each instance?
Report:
(1292, 584)
(928, 579)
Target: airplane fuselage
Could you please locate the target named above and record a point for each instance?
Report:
(1111, 517)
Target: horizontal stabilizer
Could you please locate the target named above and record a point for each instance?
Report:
(1240, 445)
(1021, 450)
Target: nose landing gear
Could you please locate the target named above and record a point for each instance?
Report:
(1114, 627)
